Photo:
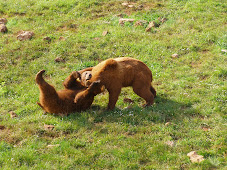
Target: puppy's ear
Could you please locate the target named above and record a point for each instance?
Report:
(76, 74)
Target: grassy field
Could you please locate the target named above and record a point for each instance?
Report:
(189, 113)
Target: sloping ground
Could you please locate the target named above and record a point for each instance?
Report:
(189, 113)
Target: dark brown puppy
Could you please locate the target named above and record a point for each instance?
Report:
(62, 102)
(122, 72)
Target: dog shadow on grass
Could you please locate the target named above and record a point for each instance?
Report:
(164, 110)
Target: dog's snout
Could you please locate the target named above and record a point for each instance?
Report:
(88, 77)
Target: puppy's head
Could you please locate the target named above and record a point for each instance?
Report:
(84, 77)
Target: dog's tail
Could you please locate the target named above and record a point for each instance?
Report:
(153, 91)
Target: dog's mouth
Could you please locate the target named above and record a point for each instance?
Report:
(87, 83)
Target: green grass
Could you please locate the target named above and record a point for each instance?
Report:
(191, 89)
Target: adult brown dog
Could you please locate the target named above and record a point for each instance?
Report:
(62, 102)
(123, 72)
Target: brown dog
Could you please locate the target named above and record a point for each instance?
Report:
(123, 72)
(62, 102)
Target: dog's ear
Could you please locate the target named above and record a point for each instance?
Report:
(79, 75)
(110, 64)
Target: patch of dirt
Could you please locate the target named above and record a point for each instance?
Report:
(157, 83)
(127, 100)
(204, 77)
(19, 13)
(2, 127)
(3, 21)
(130, 133)
(59, 60)
(195, 64)
(122, 7)
(10, 136)
(205, 51)
(70, 25)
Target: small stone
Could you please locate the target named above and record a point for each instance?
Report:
(175, 55)
(163, 20)
(148, 29)
(2, 127)
(127, 100)
(205, 129)
(3, 21)
(47, 39)
(151, 25)
(123, 20)
(49, 127)
(167, 123)
(140, 23)
(129, 107)
(58, 60)
(24, 35)
(106, 22)
(62, 38)
(52, 146)
(191, 153)
(140, 6)
(3, 28)
(194, 157)
(197, 159)
(13, 114)
(170, 143)
(130, 6)
(105, 33)
(125, 4)
(120, 15)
